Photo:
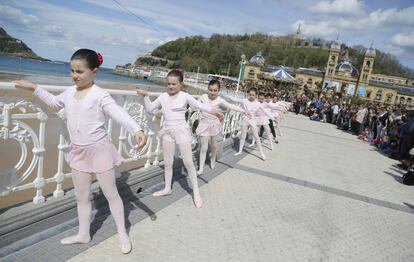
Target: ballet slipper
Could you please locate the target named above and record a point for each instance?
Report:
(263, 157)
(198, 202)
(252, 144)
(75, 240)
(238, 153)
(126, 248)
(162, 193)
(199, 172)
(212, 164)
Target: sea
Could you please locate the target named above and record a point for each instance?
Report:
(56, 72)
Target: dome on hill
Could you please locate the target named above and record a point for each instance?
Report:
(257, 59)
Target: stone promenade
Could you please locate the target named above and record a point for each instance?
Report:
(322, 195)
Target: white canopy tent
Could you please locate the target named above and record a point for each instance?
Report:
(282, 75)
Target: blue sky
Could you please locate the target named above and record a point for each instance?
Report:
(55, 29)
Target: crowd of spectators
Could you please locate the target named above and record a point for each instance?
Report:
(389, 128)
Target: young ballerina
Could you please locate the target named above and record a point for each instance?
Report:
(262, 119)
(176, 130)
(209, 126)
(267, 100)
(87, 108)
(252, 106)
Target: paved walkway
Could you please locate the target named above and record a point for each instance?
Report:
(322, 195)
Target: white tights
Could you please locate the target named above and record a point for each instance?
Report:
(244, 126)
(267, 130)
(186, 154)
(203, 152)
(82, 183)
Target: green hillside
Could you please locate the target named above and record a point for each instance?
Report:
(15, 47)
(220, 52)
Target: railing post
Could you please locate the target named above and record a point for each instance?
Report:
(60, 176)
(40, 181)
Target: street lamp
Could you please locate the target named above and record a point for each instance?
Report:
(241, 72)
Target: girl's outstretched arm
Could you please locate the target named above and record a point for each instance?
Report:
(234, 99)
(202, 106)
(51, 100)
(117, 113)
(149, 106)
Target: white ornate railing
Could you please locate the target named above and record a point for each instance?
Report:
(18, 115)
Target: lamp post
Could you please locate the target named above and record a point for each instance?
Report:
(241, 72)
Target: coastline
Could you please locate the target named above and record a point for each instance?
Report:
(155, 84)
(67, 81)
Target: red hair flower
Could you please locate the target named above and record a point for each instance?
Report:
(100, 58)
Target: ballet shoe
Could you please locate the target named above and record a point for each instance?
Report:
(126, 248)
(198, 202)
(252, 145)
(162, 193)
(199, 172)
(238, 153)
(212, 165)
(74, 240)
(263, 157)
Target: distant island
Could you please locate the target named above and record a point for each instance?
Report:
(15, 47)
(220, 54)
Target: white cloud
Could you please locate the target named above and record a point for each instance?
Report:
(323, 29)
(339, 7)
(403, 39)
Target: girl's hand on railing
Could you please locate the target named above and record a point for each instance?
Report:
(140, 139)
(142, 92)
(248, 115)
(25, 85)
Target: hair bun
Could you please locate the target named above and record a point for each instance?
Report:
(100, 58)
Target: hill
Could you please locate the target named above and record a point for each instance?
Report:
(221, 53)
(15, 47)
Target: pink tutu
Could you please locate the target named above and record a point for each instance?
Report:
(178, 134)
(262, 120)
(98, 157)
(208, 127)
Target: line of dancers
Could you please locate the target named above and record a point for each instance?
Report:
(91, 154)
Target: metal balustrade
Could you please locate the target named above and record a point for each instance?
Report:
(16, 112)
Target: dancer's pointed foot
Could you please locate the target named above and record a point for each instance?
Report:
(252, 144)
(164, 192)
(238, 153)
(263, 157)
(125, 244)
(200, 172)
(212, 164)
(76, 239)
(198, 202)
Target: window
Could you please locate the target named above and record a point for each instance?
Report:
(389, 97)
(378, 96)
(251, 74)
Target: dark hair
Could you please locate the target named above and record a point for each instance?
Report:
(253, 89)
(269, 94)
(214, 82)
(261, 93)
(176, 73)
(92, 58)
